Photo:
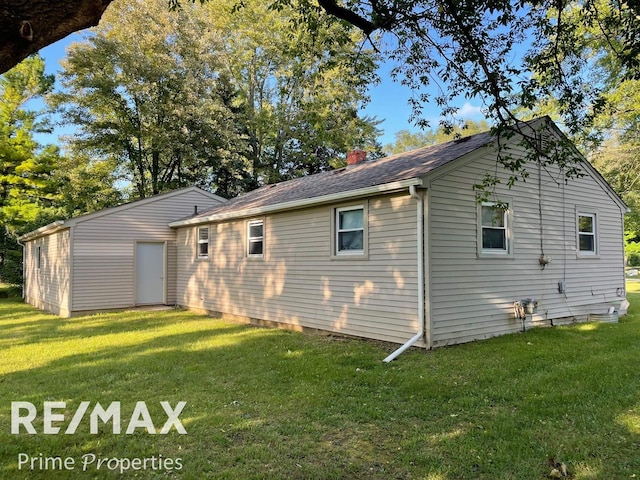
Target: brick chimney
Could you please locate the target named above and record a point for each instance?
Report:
(356, 156)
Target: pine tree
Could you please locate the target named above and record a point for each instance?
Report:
(28, 189)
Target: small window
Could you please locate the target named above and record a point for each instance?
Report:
(587, 233)
(38, 257)
(350, 231)
(494, 228)
(203, 242)
(255, 238)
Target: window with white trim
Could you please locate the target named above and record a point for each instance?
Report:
(587, 242)
(494, 228)
(255, 238)
(203, 242)
(350, 232)
(38, 257)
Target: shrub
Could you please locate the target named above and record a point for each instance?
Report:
(11, 268)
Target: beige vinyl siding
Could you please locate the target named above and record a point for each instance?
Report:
(104, 249)
(472, 298)
(48, 287)
(298, 283)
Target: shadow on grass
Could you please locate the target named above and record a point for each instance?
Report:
(21, 326)
(276, 404)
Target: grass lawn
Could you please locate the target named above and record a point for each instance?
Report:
(264, 403)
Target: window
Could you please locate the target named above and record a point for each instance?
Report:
(587, 233)
(350, 236)
(38, 257)
(494, 226)
(255, 238)
(203, 242)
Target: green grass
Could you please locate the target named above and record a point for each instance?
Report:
(264, 403)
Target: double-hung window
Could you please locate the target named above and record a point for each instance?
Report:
(350, 231)
(203, 242)
(587, 243)
(255, 238)
(494, 228)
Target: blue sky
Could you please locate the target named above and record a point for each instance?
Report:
(389, 99)
(389, 102)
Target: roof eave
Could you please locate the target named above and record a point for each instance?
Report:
(42, 231)
(301, 203)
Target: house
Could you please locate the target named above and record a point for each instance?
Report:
(119, 257)
(399, 249)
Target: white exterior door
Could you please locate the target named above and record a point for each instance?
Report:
(149, 273)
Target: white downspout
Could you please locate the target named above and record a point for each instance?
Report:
(24, 278)
(420, 248)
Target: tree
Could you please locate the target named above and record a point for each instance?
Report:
(469, 41)
(28, 189)
(159, 108)
(225, 100)
(507, 53)
(86, 185)
(483, 49)
(472, 46)
(28, 26)
(406, 140)
(298, 92)
(618, 157)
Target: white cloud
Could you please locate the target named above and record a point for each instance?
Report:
(468, 111)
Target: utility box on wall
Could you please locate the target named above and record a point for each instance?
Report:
(530, 305)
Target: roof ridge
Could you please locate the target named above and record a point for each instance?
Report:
(386, 170)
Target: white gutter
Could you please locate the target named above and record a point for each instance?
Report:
(421, 280)
(302, 203)
(47, 229)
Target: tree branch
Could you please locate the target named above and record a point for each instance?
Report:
(28, 26)
(332, 8)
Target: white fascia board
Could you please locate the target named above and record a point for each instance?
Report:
(138, 203)
(61, 224)
(302, 203)
(46, 230)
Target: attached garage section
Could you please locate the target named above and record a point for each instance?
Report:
(119, 257)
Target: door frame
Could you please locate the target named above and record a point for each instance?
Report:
(135, 270)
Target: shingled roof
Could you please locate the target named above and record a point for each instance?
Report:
(385, 171)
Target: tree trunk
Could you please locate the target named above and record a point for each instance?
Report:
(155, 171)
(27, 26)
